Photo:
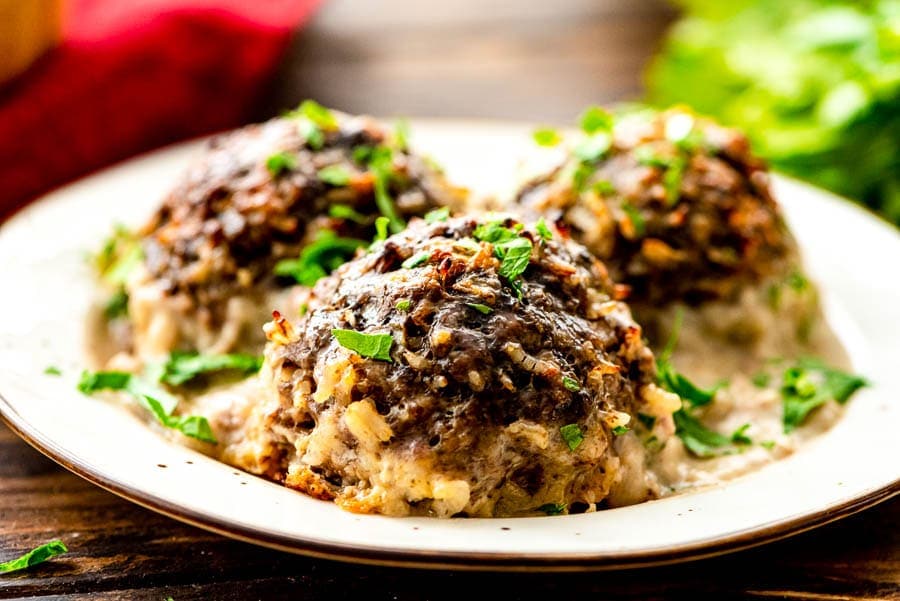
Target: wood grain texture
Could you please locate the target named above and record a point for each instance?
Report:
(120, 551)
(515, 59)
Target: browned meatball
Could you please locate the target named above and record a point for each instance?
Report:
(465, 367)
(262, 194)
(676, 206)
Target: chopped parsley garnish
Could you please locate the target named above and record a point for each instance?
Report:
(767, 444)
(280, 162)
(648, 420)
(324, 255)
(553, 508)
(542, 230)
(515, 255)
(573, 435)
(120, 254)
(546, 136)
(381, 163)
(761, 379)
(636, 218)
(480, 308)
(810, 384)
(403, 305)
(739, 436)
(648, 157)
(493, 232)
(592, 148)
(348, 213)
(595, 119)
(620, 430)
(376, 346)
(52, 370)
(159, 402)
(34, 557)
(117, 305)
(603, 187)
(672, 179)
(401, 134)
(184, 367)
(416, 260)
(336, 175)
(313, 119)
(441, 214)
(513, 251)
(571, 384)
(316, 113)
(381, 229)
(580, 176)
(362, 153)
(697, 438)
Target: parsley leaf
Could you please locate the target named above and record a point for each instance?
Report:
(321, 257)
(280, 162)
(595, 119)
(620, 430)
(34, 557)
(336, 175)
(117, 305)
(810, 384)
(52, 370)
(403, 305)
(573, 435)
(546, 136)
(184, 367)
(739, 436)
(516, 254)
(401, 134)
(317, 113)
(348, 213)
(416, 260)
(381, 163)
(761, 379)
(155, 399)
(636, 218)
(571, 384)
(697, 438)
(553, 508)
(493, 232)
(441, 214)
(313, 119)
(381, 230)
(120, 254)
(376, 346)
(480, 308)
(593, 148)
(542, 230)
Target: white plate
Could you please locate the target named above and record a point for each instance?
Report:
(46, 289)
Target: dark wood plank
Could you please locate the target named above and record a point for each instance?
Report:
(120, 551)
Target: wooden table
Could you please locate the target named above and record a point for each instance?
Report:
(513, 59)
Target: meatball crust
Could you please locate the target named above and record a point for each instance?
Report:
(677, 207)
(261, 194)
(501, 394)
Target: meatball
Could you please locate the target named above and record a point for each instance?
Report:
(676, 206)
(257, 196)
(465, 367)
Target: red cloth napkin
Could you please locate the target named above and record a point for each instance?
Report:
(132, 75)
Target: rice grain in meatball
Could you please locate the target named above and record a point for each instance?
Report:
(465, 368)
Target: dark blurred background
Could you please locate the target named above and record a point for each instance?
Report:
(815, 84)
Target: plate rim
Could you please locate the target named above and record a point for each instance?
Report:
(440, 559)
(457, 560)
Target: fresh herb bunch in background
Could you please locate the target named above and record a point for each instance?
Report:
(815, 84)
